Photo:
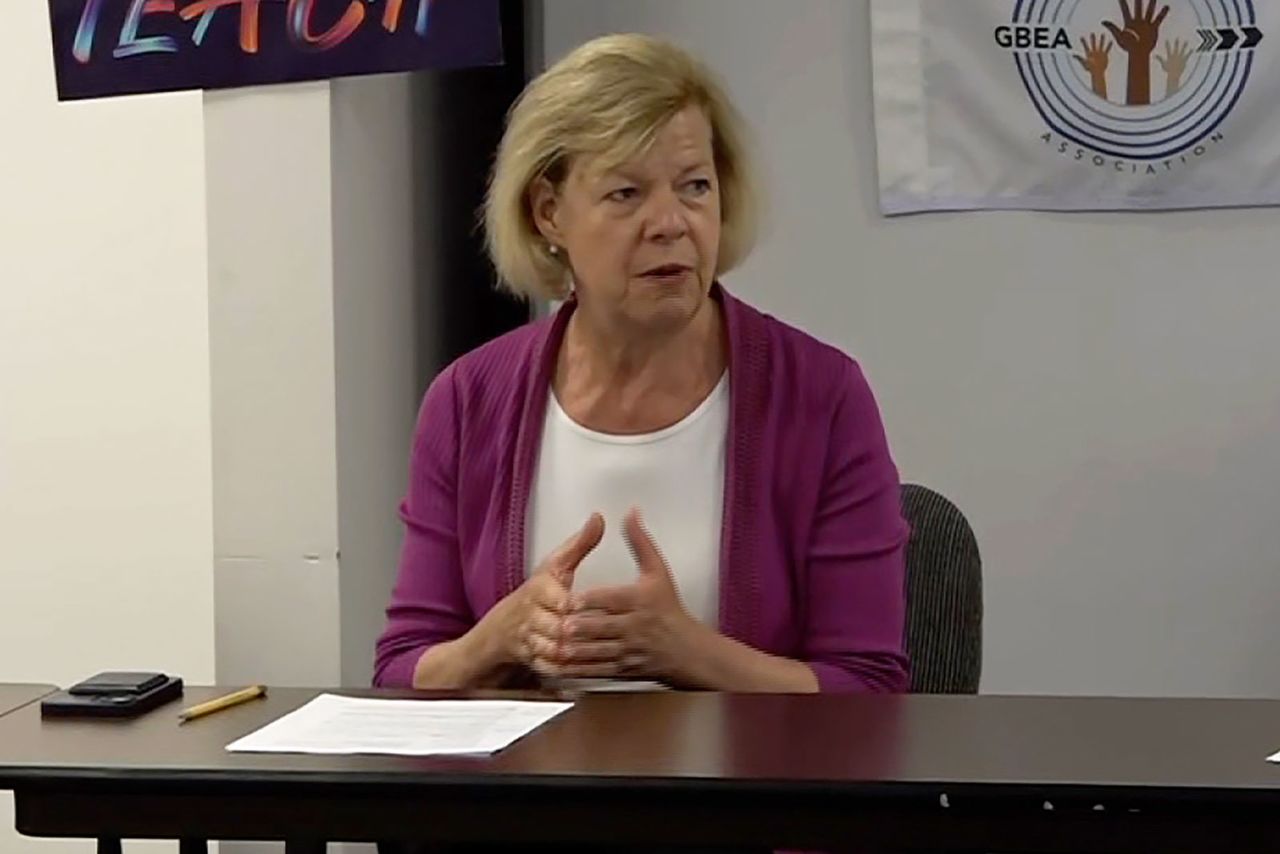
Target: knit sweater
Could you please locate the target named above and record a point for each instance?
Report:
(812, 538)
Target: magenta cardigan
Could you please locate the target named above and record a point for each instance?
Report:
(811, 555)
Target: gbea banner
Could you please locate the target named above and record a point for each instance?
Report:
(118, 47)
(1076, 104)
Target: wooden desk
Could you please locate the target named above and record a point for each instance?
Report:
(827, 772)
(16, 696)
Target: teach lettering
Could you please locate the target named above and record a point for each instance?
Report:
(305, 30)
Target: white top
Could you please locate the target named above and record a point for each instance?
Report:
(675, 476)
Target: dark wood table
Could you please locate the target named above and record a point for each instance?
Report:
(16, 696)
(827, 772)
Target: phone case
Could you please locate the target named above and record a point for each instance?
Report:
(126, 702)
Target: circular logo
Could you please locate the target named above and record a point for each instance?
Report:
(1135, 79)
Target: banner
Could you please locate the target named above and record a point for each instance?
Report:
(1076, 104)
(119, 47)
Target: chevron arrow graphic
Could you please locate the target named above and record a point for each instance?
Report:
(1223, 39)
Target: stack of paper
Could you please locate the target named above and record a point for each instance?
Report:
(348, 725)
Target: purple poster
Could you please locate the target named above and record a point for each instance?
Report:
(120, 47)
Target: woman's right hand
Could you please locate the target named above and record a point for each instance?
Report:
(523, 630)
(527, 624)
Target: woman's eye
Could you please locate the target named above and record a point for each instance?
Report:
(624, 194)
(700, 186)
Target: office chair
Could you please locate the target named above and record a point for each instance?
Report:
(944, 595)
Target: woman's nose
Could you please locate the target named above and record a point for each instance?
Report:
(666, 219)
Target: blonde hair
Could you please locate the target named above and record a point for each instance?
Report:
(608, 98)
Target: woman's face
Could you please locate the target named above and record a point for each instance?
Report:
(641, 239)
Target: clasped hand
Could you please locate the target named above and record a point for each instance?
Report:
(639, 630)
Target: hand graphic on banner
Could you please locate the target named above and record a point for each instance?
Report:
(1174, 64)
(1139, 38)
(1097, 56)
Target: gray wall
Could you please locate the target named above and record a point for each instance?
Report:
(382, 231)
(271, 322)
(316, 318)
(1099, 393)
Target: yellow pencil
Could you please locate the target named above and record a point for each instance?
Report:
(244, 695)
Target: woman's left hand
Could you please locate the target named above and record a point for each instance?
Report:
(644, 623)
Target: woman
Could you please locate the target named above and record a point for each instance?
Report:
(659, 482)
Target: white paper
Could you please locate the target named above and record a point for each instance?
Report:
(1275, 757)
(332, 724)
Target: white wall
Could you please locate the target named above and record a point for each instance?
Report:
(1100, 394)
(105, 512)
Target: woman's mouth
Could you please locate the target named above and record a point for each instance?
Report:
(667, 273)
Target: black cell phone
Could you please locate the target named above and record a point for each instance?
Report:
(113, 695)
(119, 683)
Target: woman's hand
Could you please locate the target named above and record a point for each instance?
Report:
(521, 630)
(635, 630)
(642, 630)
(539, 606)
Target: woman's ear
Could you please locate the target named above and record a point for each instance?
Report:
(544, 201)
